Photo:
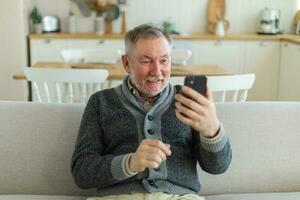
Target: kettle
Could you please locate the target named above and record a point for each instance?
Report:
(269, 21)
(51, 24)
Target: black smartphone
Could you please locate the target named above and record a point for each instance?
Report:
(196, 82)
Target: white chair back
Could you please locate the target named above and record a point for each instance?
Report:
(230, 88)
(226, 88)
(92, 55)
(180, 56)
(54, 85)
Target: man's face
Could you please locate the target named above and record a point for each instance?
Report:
(149, 66)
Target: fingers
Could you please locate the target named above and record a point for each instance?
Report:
(197, 111)
(209, 94)
(193, 94)
(165, 148)
(150, 154)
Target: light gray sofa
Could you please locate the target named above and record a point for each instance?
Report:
(37, 140)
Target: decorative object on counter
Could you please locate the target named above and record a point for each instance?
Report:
(269, 22)
(296, 22)
(170, 27)
(220, 29)
(108, 8)
(100, 25)
(216, 12)
(113, 12)
(298, 28)
(36, 19)
(51, 24)
(83, 7)
(122, 4)
(72, 23)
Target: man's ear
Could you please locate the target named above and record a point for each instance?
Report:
(125, 62)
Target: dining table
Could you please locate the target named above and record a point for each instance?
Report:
(117, 72)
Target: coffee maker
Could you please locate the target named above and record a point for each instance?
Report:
(269, 21)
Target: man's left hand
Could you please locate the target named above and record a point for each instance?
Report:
(197, 111)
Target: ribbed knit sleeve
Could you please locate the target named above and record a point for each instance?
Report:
(120, 167)
(90, 167)
(214, 155)
(217, 143)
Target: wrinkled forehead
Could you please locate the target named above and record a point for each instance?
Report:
(152, 48)
(131, 44)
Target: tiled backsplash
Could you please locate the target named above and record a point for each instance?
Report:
(189, 15)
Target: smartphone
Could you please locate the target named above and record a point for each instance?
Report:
(196, 82)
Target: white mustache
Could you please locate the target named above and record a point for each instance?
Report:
(155, 78)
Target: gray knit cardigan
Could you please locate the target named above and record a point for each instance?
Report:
(112, 126)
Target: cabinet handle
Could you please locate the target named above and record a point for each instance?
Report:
(218, 43)
(263, 43)
(48, 41)
(101, 42)
(286, 44)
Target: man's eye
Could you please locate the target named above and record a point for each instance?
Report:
(164, 61)
(146, 61)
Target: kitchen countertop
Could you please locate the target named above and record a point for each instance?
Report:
(281, 37)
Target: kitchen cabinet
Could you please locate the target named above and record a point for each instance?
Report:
(226, 54)
(289, 81)
(49, 49)
(46, 50)
(99, 44)
(262, 58)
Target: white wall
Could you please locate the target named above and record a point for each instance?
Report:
(189, 15)
(13, 53)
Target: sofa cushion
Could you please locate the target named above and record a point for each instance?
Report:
(265, 139)
(257, 196)
(37, 141)
(36, 145)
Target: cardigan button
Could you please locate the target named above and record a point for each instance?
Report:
(157, 169)
(152, 183)
(151, 131)
(150, 117)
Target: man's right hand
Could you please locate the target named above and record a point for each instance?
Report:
(150, 154)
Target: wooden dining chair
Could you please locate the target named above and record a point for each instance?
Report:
(230, 88)
(104, 56)
(54, 85)
(226, 88)
(180, 56)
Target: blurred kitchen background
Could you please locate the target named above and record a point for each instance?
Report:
(188, 16)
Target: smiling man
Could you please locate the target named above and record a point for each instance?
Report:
(143, 139)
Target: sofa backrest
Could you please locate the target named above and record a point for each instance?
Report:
(265, 139)
(37, 141)
(36, 144)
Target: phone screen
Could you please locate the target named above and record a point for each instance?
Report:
(196, 82)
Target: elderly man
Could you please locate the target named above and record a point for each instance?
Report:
(143, 139)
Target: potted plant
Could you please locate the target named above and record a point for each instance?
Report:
(36, 19)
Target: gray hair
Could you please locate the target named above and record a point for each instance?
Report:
(145, 31)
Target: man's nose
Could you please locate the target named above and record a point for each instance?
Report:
(156, 68)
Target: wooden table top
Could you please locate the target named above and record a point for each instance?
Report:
(117, 72)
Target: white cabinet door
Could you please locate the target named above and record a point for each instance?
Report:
(226, 54)
(289, 83)
(262, 58)
(95, 43)
(46, 50)
(49, 49)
